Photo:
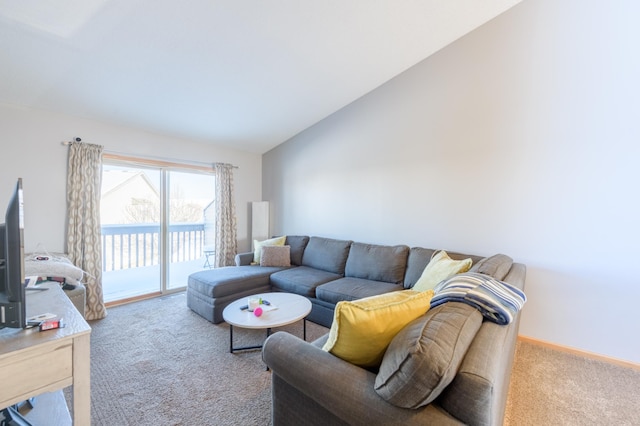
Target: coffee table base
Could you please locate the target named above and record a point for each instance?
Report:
(244, 348)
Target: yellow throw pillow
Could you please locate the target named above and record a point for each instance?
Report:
(362, 329)
(257, 246)
(440, 268)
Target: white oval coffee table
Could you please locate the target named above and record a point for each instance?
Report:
(285, 308)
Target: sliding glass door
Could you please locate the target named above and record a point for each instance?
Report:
(157, 225)
(191, 225)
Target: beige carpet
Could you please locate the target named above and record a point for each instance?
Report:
(157, 363)
(550, 387)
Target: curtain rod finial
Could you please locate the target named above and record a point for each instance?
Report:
(72, 141)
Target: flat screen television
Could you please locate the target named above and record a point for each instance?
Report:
(12, 279)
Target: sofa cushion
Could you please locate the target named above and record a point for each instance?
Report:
(349, 288)
(419, 258)
(362, 329)
(416, 262)
(326, 254)
(376, 262)
(301, 280)
(440, 268)
(257, 246)
(275, 256)
(424, 357)
(297, 244)
(497, 266)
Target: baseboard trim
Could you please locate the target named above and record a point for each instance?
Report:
(133, 299)
(580, 352)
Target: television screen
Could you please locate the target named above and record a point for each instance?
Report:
(12, 289)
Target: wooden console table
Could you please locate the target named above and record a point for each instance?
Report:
(33, 362)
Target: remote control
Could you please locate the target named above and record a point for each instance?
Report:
(266, 302)
(42, 317)
(244, 307)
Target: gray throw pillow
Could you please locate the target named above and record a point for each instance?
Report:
(425, 356)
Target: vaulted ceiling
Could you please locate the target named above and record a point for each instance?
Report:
(248, 74)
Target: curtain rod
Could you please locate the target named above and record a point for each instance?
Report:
(164, 159)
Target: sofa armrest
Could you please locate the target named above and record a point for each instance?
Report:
(478, 394)
(341, 388)
(243, 259)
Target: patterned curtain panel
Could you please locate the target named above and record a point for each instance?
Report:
(84, 177)
(226, 240)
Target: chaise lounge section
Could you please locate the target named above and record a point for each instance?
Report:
(210, 291)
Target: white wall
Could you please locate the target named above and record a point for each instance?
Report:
(31, 149)
(523, 138)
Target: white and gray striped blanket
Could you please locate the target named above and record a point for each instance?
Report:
(497, 301)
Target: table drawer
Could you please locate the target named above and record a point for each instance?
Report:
(39, 369)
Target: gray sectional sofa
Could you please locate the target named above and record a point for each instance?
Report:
(312, 387)
(323, 269)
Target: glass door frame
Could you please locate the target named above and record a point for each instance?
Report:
(164, 168)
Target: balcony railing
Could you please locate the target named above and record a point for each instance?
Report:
(138, 245)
